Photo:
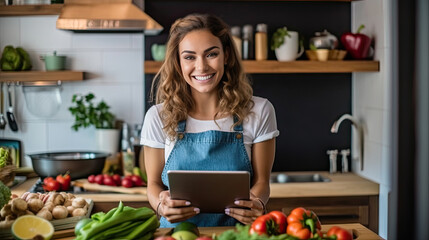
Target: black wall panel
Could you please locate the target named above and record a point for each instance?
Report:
(306, 104)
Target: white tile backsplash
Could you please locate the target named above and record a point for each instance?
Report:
(113, 66)
(101, 41)
(9, 27)
(39, 32)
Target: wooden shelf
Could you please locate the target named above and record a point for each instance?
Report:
(273, 66)
(27, 10)
(32, 76)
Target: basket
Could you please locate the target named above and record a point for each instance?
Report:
(7, 173)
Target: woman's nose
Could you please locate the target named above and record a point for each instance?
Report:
(201, 64)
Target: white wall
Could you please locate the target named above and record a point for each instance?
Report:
(372, 93)
(114, 62)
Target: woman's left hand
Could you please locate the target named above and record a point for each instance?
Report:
(252, 209)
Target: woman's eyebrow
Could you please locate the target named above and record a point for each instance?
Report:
(192, 52)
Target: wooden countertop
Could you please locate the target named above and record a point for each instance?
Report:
(359, 231)
(341, 184)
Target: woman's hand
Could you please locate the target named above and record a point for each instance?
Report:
(246, 216)
(175, 210)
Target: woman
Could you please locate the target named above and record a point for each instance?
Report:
(203, 93)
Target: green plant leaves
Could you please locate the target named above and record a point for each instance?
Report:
(278, 37)
(86, 113)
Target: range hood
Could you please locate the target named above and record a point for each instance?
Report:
(106, 16)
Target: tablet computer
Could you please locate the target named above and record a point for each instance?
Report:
(210, 191)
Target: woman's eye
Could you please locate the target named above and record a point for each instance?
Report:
(212, 54)
(189, 57)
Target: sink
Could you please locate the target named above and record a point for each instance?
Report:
(299, 178)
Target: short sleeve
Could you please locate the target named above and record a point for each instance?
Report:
(266, 127)
(152, 134)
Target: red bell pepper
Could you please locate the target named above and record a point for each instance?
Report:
(357, 44)
(64, 181)
(303, 224)
(339, 233)
(272, 223)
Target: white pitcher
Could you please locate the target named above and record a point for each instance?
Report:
(288, 51)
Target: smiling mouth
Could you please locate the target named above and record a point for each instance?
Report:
(203, 78)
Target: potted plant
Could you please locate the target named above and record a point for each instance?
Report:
(286, 44)
(87, 113)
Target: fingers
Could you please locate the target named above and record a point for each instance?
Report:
(246, 216)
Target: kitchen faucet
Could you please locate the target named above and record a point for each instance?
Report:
(359, 128)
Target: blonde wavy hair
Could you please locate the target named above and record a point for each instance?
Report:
(234, 90)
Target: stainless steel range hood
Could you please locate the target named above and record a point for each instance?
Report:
(106, 16)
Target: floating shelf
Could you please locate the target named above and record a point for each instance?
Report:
(32, 76)
(273, 66)
(27, 10)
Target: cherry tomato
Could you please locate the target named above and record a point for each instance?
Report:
(117, 178)
(99, 179)
(340, 233)
(91, 178)
(126, 182)
(137, 181)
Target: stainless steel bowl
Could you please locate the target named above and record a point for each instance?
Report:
(78, 164)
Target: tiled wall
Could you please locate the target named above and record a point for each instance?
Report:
(113, 61)
(372, 100)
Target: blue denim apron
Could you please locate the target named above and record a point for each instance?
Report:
(210, 151)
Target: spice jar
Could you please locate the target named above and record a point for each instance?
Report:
(248, 52)
(261, 42)
(235, 32)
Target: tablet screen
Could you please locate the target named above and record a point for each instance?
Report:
(210, 191)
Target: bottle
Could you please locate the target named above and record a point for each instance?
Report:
(135, 141)
(248, 52)
(235, 32)
(261, 42)
(127, 151)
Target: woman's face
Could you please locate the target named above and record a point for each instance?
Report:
(202, 60)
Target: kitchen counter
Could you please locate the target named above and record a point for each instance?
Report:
(341, 184)
(347, 198)
(360, 232)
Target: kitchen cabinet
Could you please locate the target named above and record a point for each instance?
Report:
(273, 66)
(32, 76)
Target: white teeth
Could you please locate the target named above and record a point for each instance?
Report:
(203, 78)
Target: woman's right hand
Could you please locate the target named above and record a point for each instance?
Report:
(175, 210)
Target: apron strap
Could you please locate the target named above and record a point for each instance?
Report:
(181, 126)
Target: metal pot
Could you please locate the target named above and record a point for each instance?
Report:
(79, 164)
(324, 40)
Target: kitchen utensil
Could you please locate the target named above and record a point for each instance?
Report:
(42, 101)
(79, 164)
(324, 40)
(10, 116)
(2, 118)
(54, 62)
(83, 183)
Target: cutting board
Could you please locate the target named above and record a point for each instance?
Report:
(83, 183)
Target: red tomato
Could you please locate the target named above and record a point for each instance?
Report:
(52, 185)
(64, 180)
(117, 178)
(91, 179)
(126, 182)
(165, 238)
(137, 180)
(280, 219)
(340, 233)
(99, 179)
(260, 225)
(47, 179)
(108, 180)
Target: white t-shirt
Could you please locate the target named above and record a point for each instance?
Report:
(260, 125)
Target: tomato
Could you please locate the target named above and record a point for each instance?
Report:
(117, 178)
(64, 180)
(108, 180)
(91, 179)
(52, 185)
(47, 179)
(99, 179)
(126, 182)
(340, 233)
(137, 180)
(165, 238)
(303, 223)
(272, 223)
